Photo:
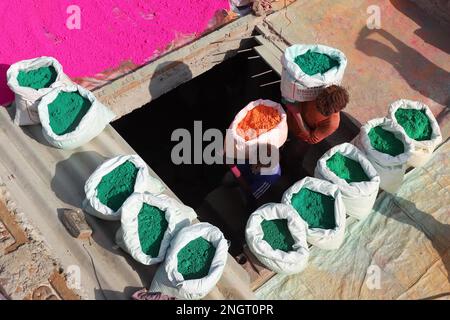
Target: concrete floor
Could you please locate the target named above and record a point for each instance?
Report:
(407, 58)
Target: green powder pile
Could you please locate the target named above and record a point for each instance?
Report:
(385, 141)
(117, 186)
(66, 111)
(38, 78)
(152, 225)
(277, 234)
(315, 208)
(416, 123)
(312, 63)
(195, 259)
(346, 168)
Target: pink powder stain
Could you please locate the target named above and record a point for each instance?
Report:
(111, 32)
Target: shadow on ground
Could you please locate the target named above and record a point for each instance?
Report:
(412, 66)
(430, 31)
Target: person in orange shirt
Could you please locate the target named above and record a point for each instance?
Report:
(313, 121)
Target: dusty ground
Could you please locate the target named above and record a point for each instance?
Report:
(26, 262)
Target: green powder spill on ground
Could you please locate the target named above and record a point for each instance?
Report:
(346, 168)
(152, 225)
(277, 234)
(385, 141)
(66, 111)
(315, 208)
(195, 259)
(416, 123)
(38, 78)
(312, 63)
(117, 186)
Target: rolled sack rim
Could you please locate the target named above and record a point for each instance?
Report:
(84, 123)
(268, 137)
(436, 135)
(326, 188)
(210, 233)
(262, 248)
(354, 188)
(384, 159)
(33, 64)
(130, 228)
(331, 76)
(105, 168)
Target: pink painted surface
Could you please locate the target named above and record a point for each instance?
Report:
(111, 32)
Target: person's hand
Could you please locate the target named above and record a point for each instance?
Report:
(312, 139)
(303, 136)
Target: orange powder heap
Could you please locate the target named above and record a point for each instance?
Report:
(258, 121)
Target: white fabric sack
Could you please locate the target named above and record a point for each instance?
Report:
(27, 99)
(391, 169)
(237, 147)
(358, 197)
(127, 237)
(327, 239)
(169, 281)
(144, 183)
(91, 125)
(277, 260)
(297, 85)
(422, 150)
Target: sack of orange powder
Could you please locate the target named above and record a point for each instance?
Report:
(261, 122)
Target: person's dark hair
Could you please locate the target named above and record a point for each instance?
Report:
(331, 100)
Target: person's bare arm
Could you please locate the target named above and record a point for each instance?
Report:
(294, 112)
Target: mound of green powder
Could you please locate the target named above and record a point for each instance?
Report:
(312, 63)
(315, 208)
(66, 111)
(277, 234)
(416, 123)
(385, 141)
(38, 78)
(346, 168)
(117, 186)
(195, 259)
(152, 225)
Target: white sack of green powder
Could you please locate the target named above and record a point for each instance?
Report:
(177, 216)
(237, 147)
(277, 260)
(327, 239)
(144, 183)
(91, 125)
(358, 197)
(422, 150)
(296, 85)
(391, 169)
(169, 281)
(27, 99)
